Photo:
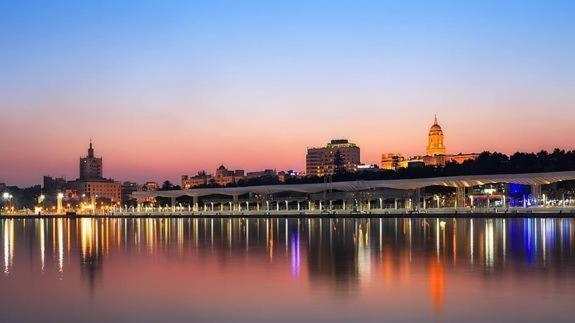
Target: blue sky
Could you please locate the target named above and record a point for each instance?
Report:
(206, 77)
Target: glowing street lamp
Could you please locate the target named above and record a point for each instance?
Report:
(60, 196)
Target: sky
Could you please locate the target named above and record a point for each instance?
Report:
(166, 88)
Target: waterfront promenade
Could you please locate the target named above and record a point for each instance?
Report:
(373, 213)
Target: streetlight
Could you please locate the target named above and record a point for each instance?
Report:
(7, 197)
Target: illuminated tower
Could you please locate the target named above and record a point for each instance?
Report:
(90, 166)
(435, 144)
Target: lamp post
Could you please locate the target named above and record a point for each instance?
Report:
(59, 208)
(7, 197)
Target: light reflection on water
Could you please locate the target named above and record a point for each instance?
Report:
(285, 269)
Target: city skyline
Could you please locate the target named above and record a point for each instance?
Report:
(140, 178)
(206, 84)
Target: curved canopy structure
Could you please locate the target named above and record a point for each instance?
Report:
(351, 186)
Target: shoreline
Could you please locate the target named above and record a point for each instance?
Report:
(569, 213)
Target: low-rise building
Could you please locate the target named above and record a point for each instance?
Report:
(150, 186)
(224, 176)
(391, 161)
(97, 188)
(127, 189)
(193, 181)
(263, 173)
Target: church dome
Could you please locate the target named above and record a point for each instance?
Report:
(435, 145)
(435, 128)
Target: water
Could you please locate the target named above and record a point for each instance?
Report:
(241, 270)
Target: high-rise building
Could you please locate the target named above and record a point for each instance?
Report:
(338, 153)
(91, 166)
(91, 183)
(435, 145)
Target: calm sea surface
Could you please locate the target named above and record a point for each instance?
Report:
(246, 270)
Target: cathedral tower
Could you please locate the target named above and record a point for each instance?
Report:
(435, 144)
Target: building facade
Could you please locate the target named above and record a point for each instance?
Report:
(222, 177)
(225, 176)
(391, 161)
(97, 189)
(324, 160)
(202, 178)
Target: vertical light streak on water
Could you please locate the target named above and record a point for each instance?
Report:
(125, 230)
(380, 235)
(368, 233)
(471, 241)
(8, 245)
(229, 234)
(295, 254)
(267, 233)
(150, 232)
(138, 233)
(60, 245)
(454, 241)
(395, 231)
(320, 232)
(528, 238)
(271, 242)
(437, 237)
(180, 235)
(247, 234)
(567, 235)
(504, 248)
(212, 232)
(286, 234)
(561, 235)
(544, 241)
(489, 244)
(85, 237)
(309, 231)
(42, 245)
(410, 245)
(196, 233)
(363, 257)
(536, 238)
(277, 232)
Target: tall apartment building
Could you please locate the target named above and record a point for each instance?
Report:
(92, 183)
(91, 166)
(322, 161)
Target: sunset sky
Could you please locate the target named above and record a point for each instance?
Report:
(167, 88)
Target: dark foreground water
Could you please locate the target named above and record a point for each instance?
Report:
(163, 270)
